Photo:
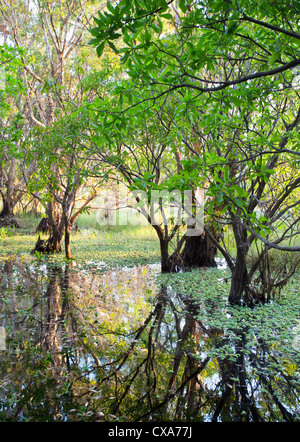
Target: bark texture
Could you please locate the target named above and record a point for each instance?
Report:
(198, 251)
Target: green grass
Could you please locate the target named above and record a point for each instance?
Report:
(116, 245)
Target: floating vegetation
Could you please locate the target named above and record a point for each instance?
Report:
(86, 341)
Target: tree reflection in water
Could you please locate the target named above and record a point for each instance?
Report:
(88, 346)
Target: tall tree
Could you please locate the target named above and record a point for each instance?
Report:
(53, 34)
(233, 66)
(13, 172)
(64, 177)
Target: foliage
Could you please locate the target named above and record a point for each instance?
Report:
(227, 95)
(169, 95)
(184, 95)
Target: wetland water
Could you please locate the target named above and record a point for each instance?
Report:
(86, 343)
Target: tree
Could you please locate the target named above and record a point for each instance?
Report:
(13, 171)
(144, 153)
(208, 33)
(63, 178)
(217, 56)
(51, 69)
(253, 187)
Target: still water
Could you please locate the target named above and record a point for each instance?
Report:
(91, 344)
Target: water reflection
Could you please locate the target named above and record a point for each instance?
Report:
(109, 346)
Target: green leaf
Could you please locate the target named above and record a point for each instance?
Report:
(110, 7)
(100, 49)
(167, 16)
(113, 47)
(94, 41)
(156, 28)
(183, 6)
(274, 57)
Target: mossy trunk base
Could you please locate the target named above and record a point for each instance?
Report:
(198, 251)
(46, 246)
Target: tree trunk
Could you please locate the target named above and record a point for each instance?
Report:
(67, 239)
(7, 218)
(67, 243)
(8, 207)
(57, 229)
(199, 251)
(164, 255)
(239, 280)
(53, 224)
(10, 196)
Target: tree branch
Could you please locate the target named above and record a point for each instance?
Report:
(272, 27)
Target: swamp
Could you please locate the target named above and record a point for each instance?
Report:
(108, 337)
(149, 211)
